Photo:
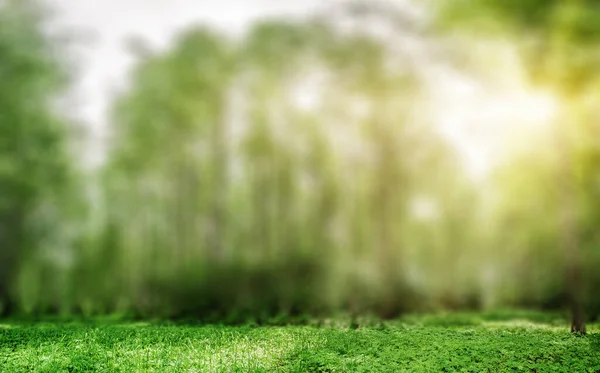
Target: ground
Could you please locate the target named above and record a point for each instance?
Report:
(435, 343)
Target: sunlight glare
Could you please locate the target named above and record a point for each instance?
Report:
(484, 120)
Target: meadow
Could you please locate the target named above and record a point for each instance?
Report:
(462, 342)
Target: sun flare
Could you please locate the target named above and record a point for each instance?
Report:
(485, 120)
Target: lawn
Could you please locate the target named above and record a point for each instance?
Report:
(457, 342)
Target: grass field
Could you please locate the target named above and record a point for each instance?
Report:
(458, 342)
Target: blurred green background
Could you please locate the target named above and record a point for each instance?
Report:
(301, 168)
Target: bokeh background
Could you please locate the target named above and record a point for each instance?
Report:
(374, 157)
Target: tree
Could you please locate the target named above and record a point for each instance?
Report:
(221, 172)
(34, 167)
(557, 40)
(166, 179)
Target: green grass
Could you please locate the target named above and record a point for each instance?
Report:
(497, 342)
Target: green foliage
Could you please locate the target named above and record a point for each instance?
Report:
(557, 43)
(35, 170)
(210, 212)
(537, 16)
(557, 38)
(485, 344)
(283, 175)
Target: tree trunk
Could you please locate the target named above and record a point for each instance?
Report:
(573, 276)
(5, 264)
(577, 318)
(11, 252)
(569, 233)
(5, 300)
(219, 169)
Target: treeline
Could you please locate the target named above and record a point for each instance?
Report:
(295, 171)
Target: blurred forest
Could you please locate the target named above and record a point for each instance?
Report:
(298, 170)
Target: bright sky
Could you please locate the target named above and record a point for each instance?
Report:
(474, 118)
